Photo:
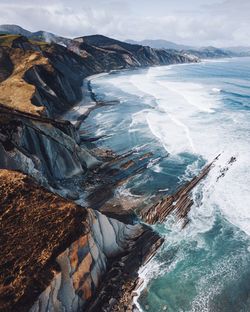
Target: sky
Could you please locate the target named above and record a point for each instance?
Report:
(193, 22)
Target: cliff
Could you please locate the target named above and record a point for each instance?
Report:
(57, 255)
(46, 79)
(108, 51)
(45, 149)
(39, 78)
(54, 253)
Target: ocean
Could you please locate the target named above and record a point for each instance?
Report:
(186, 115)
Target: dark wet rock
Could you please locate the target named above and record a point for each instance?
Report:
(6, 66)
(43, 148)
(179, 203)
(114, 172)
(224, 170)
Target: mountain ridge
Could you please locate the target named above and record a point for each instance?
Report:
(160, 44)
(98, 40)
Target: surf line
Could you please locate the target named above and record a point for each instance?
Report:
(180, 202)
(186, 130)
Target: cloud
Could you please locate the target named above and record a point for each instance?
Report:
(205, 22)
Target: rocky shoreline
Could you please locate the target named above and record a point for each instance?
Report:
(57, 253)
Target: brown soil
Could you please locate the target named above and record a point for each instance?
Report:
(35, 227)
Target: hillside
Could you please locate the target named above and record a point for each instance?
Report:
(210, 52)
(43, 78)
(129, 45)
(161, 44)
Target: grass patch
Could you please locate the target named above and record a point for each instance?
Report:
(38, 43)
(6, 40)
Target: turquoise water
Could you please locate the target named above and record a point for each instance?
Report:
(186, 115)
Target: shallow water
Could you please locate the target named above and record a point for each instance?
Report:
(187, 115)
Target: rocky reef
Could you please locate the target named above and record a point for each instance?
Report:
(179, 203)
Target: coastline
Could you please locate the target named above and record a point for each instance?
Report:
(112, 198)
(183, 208)
(140, 282)
(48, 151)
(76, 116)
(82, 109)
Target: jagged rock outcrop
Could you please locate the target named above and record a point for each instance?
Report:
(179, 203)
(46, 149)
(58, 253)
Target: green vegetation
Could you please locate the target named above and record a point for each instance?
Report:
(41, 44)
(7, 40)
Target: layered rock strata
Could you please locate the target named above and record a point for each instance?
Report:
(63, 254)
(46, 149)
(180, 202)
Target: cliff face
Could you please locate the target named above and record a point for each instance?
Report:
(114, 54)
(36, 226)
(39, 78)
(45, 149)
(57, 252)
(46, 79)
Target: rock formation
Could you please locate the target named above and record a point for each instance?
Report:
(179, 203)
(54, 254)
(46, 149)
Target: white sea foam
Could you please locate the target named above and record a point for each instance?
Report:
(188, 117)
(146, 273)
(192, 117)
(223, 60)
(216, 90)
